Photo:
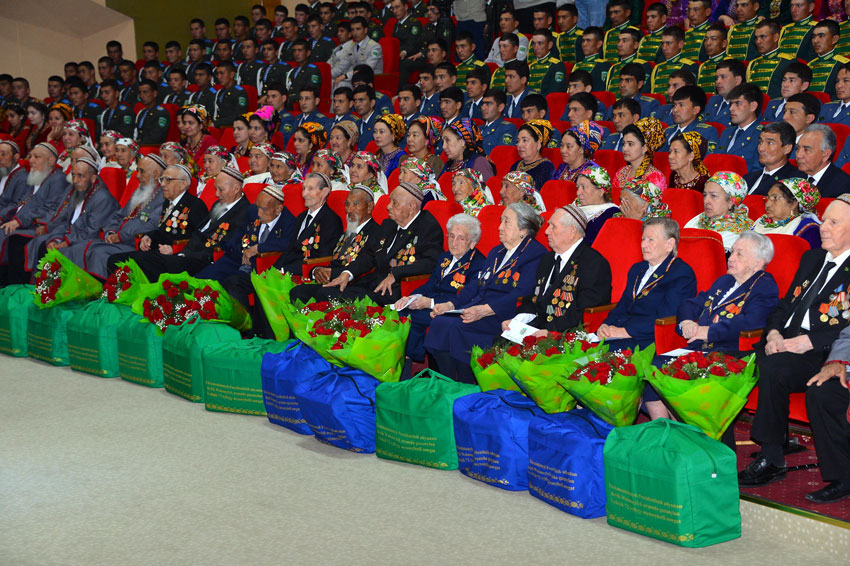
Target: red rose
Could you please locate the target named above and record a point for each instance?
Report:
(172, 292)
(156, 315)
(209, 307)
(529, 341)
(183, 285)
(167, 308)
(552, 351)
(125, 286)
(486, 360)
(717, 370)
(166, 285)
(513, 351)
(628, 369)
(681, 375)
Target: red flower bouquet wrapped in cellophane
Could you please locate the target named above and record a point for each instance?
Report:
(706, 390)
(487, 372)
(539, 365)
(58, 280)
(271, 288)
(611, 385)
(125, 283)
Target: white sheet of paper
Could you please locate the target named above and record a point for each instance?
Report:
(454, 311)
(677, 352)
(407, 304)
(517, 331)
(592, 337)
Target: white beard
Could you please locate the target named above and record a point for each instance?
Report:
(352, 227)
(35, 178)
(69, 176)
(141, 195)
(4, 171)
(217, 210)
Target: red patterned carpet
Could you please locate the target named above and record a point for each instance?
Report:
(790, 493)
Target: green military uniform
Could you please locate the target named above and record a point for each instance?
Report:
(825, 71)
(152, 126)
(420, 10)
(650, 47)
(329, 29)
(409, 34)
(613, 83)
(286, 51)
(547, 75)
(121, 119)
(555, 51)
(693, 42)
(180, 99)
(598, 69)
(130, 95)
(90, 110)
(274, 73)
(376, 31)
(498, 78)
(662, 71)
(569, 46)
(230, 103)
(707, 72)
(796, 39)
(843, 45)
(612, 36)
(767, 70)
(320, 49)
(740, 43)
(466, 66)
(247, 73)
(298, 78)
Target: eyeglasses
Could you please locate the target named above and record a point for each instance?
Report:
(162, 180)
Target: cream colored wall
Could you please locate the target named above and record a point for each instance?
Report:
(38, 37)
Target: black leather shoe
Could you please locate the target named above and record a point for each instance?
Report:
(829, 494)
(760, 472)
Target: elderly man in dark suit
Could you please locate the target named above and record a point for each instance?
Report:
(796, 343)
(815, 152)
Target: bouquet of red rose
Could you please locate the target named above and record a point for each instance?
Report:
(125, 283)
(488, 373)
(611, 385)
(59, 281)
(539, 365)
(359, 334)
(177, 298)
(271, 288)
(706, 390)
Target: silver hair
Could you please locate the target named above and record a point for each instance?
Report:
(473, 226)
(325, 181)
(527, 219)
(670, 226)
(568, 220)
(828, 139)
(763, 245)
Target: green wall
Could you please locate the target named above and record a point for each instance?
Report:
(164, 20)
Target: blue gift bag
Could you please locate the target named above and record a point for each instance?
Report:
(281, 373)
(491, 433)
(565, 465)
(339, 407)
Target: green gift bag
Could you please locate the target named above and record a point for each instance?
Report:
(47, 333)
(93, 337)
(414, 420)
(15, 304)
(232, 379)
(182, 355)
(140, 352)
(668, 480)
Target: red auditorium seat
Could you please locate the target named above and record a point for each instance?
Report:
(556, 193)
(244, 164)
(391, 48)
(661, 161)
(490, 217)
(557, 102)
(442, 211)
(494, 183)
(115, 180)
(610, 160)
(755, 206)
(292, 198)
(129, 189)
(715, 162)
(705, 255)
(226, 139)
(379, 213)
(787, 251)
(605, 97)
(445, 183)
(683, 203)
(553, 154)
(619, 242)
(336, 200)
(208, 195)
(252, 190)
(503, 156)
(822, 204)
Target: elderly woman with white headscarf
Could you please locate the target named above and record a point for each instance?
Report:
(125, 154)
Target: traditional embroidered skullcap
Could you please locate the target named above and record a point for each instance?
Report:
(92, 152)
(469, 132)
(316, 133)
(49, 147)
(598, 176)
(325, 178)
(577, 214)
(413, 190)
(11, 144)
(589, 136)
(540, 129)
(844, 197)
(266, 149)
(199, 112)
(806, 194)
(232, 172)
(111, 134)
(699, 147)
(396, 125)
(732, 184)
(372, 194)
(159, 161)
(78, 126)
(433, 127)
(350, 129)
(129, 144)
(370, 160)
(184, 169)
(88, 161)
(274, 192)
(218, 151)
(653, 133)
(521, 180)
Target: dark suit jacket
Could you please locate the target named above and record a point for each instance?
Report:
(787, 171)
(349, 248)
(834, 182)
(190, 209)
(821, 333)
(277, 241)
(464, 272)
(675, 282)
(751, 303)
(584, 282)
(316, 240)
(201, 243)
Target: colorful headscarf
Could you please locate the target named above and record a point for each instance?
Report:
(524, 182)
(698, 145)
(732, 184)
(599, 177)
(479, 197)
(433, 127)
(589, 136)
(267, 114)
(651, 193)
(396, 125)
(111, 134)
(316, 133)
(653, 137)
(198, 112)
(737, 220)
(370, 160)
(350, 129)
(184, 156)
(129, 144)
(78, 126)
(806, 194)
(469, 132)
(541, 130)
(266, 149)
(334, 161)
(291, 163)
(66, 110)
(427, 181)
(218, 151)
